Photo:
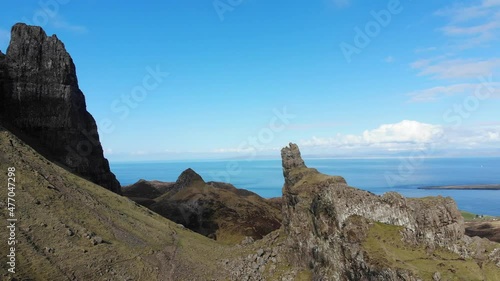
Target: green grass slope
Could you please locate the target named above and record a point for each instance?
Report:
(71, 229)
(385, 248)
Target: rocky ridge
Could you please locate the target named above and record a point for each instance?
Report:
(331, 227)
(40, 100)
(214, 209)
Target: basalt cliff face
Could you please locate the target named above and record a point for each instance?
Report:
(343, 233)
(40, 99)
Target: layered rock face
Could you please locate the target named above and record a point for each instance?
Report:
(41, 98)
(327, 224)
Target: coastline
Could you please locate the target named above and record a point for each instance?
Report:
(465, 187)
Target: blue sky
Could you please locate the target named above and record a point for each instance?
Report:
(200, 79)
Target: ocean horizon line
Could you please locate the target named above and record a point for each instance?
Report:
(305, 157)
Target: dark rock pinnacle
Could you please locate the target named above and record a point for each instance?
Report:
(41, 100)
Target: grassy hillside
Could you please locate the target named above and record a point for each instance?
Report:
(385, 248)
(70, 228)
(468, 216)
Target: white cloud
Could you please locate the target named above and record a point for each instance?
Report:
(480, 29)
(437, 92)
(474, 137)
(460, 12)
(59, 23)
(469, 25)
(407, 136)
(139, 153)
(456, 68)
(390, 136)
(309, 126)
(424, 50)
(404, 131)
(245, 149)
(491, 3)
(233, 150)
(475, 23)
(341, 3)
(385, 140)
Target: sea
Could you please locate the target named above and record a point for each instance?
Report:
(378, 175)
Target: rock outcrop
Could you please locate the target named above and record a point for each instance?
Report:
(40, 97)
(189, 178)
(145, 189)
(215, 209)
(489, 229)
(336, 230)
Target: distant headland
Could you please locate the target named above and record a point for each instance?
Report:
(465, 187)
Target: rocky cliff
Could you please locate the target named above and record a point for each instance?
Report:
(344, 233)
(40, 97)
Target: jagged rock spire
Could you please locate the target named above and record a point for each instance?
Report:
(291, 158)
(292, 161)
(40, 97)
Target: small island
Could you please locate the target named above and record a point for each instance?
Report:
(465, 187)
